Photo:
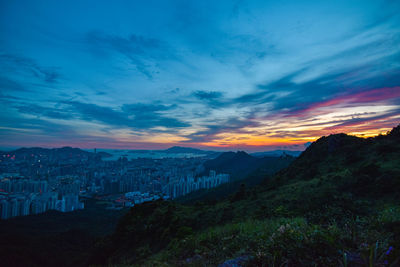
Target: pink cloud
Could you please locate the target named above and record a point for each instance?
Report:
(375, 95)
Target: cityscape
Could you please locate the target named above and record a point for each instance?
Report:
(187, 133)
(33, 181)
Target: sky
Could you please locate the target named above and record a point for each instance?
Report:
(225, 75)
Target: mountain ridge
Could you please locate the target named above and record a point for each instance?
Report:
(61, 152)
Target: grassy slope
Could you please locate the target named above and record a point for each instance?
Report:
(339, 198)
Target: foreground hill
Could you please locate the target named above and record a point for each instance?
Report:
(338, 204)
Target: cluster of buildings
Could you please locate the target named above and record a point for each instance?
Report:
(20, 197)
(128, 182)
(175, 188)
(12, 182)
(35, 180)
(143, 175)
(189, 184)
(133, 198)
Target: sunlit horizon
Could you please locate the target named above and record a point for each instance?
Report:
(229, 75)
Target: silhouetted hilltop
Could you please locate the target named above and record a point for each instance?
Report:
(395, 132)
(237, 164)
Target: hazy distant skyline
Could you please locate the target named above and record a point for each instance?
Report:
(251, 75)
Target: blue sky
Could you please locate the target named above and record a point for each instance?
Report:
(253, 75)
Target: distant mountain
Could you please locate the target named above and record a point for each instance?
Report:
(55, 153)
(180, 149)
(47, 151)
(277, 153)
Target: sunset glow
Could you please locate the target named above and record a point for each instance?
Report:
(198, 74)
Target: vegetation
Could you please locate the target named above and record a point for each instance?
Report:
(338, 204)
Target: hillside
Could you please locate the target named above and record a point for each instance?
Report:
(243, 169)
(240, 164)
(338, 204)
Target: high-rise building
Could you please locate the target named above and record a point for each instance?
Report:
(14, 208)
(4, 207)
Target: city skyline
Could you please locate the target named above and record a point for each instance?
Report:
(231, 75)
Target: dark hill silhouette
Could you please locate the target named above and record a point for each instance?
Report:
(395, 132)
(240, 164)
(237, 164)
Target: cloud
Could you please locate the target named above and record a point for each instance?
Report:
(26, 66)
(135, 116)
(20, 131)
(6, 84)
(249, 72)
(152, 115)
(55, 113)
(141, 51)
(287, 95)
(210, 99)
(375, 96)
(229, 125)
(147, 108)
(15, 125)
(5, 98)
(359, 121)
(207, 95)
(290, 104)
